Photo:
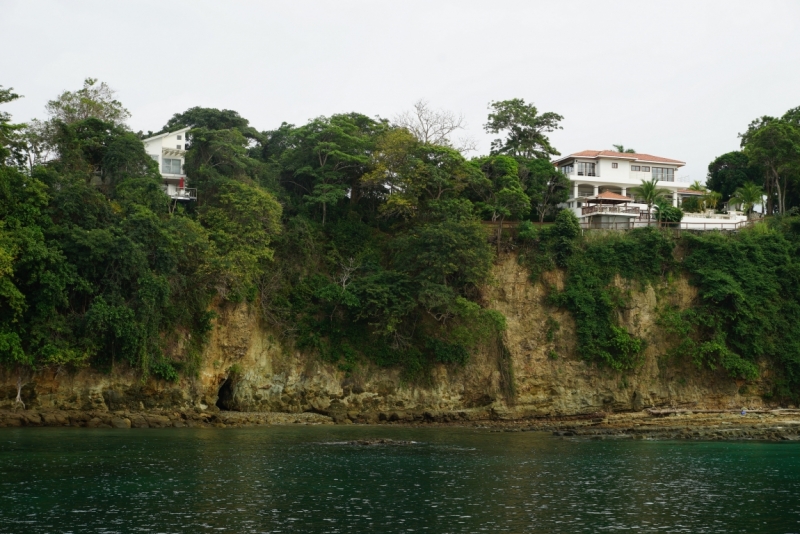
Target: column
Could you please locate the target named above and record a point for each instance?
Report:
(624, 191)
(575, 190)
(596, 190)
(675, 199)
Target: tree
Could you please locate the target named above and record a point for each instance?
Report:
(697, 186)
(544, 184)
(211, 119)
(775, 147)
(524, 128)
(649, 193)
(711, 199)
(730, 171)
(412, 176)
(7, 130)
(435, 127)
(92, 100)
(666, 212)
(748, 196)
(622, 149)
(328, 156)
(501, 191)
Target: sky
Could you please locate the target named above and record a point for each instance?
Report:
(678, 79)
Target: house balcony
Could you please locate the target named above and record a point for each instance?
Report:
(180, 193)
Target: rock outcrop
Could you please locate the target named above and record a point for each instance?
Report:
(247, 368)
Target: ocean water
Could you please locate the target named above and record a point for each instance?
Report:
(309, 479)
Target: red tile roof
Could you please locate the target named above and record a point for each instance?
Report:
(623, 155)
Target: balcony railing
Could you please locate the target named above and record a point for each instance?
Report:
(631, 210)
(594, 174)
(180, 193)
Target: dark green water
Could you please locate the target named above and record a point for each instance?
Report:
(303, 479)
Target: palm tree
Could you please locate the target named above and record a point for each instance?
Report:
(747, 196)
(621, 148)
(711, 199)
(697, 186)
(648, 193)
(661, 204)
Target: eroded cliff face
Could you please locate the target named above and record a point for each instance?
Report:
(246, 368)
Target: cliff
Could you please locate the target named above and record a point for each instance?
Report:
(534, 372)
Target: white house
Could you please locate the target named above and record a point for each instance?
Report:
(169, 150)
(602, 189)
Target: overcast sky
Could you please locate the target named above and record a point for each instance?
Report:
(678, 79)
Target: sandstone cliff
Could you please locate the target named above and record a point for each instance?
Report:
(534, 372)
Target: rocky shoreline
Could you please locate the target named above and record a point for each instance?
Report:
(716, 425)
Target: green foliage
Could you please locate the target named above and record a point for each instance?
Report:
(692, 205)
(668, 214)
(747, 196)
(730, 171)
(590, 293)
(545, 185)
(524, 128)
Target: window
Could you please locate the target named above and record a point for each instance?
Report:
(171, 166)
(645, 169)
(179, 147)
(635, 168)
(586, 169)
(179, 137)
(567, 169)
(663, 174)
(154, 156)
(614, 165)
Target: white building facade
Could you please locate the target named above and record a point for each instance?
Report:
(169, 150)
(592, 172)
(602, 190)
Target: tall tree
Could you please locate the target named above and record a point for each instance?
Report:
(775, 147)
(621, 148)
(7, 130)
(730, 171)
(211, 119)
(501, 191)
(328, 157)
(93, 100)
(525, 129)
(545, 185)
(435, 126)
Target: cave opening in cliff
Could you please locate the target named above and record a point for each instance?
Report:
(225, 395)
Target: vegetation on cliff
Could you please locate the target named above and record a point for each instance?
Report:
(357, 238)
(747, 312)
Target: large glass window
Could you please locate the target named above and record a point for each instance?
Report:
(567, 169)
(171, 166)
(664, 175)
(586, 169)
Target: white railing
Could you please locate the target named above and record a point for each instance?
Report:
(631, 210)
(184, 193)
(180, 193)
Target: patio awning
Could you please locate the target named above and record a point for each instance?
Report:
(607, 197)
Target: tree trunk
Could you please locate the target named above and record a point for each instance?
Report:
(324, 212)
(780, 194)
